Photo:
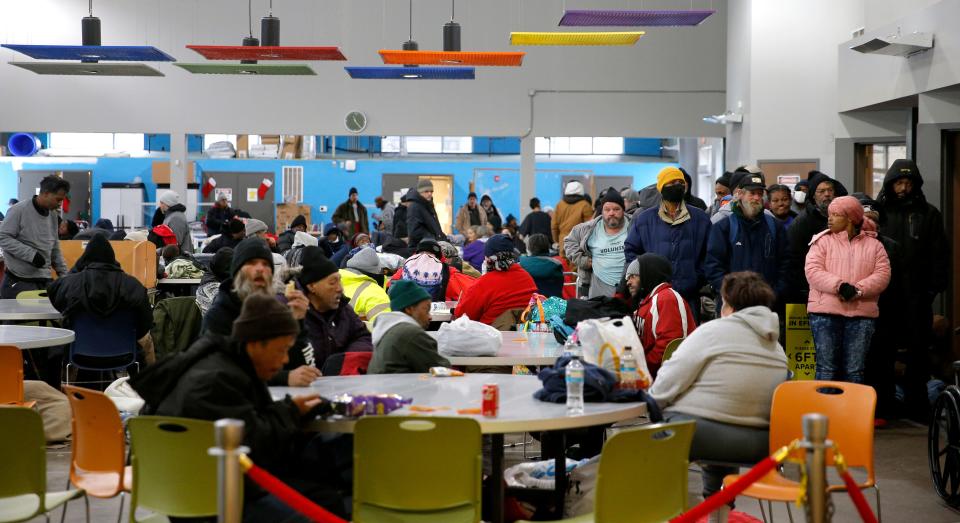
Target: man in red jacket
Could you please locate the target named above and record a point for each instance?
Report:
(505, 285)
(662, 314)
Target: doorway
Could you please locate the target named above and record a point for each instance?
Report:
(951, 174)
(241, 191)
(602, 183)
(79, 206)
(396, 185)
(870, 164)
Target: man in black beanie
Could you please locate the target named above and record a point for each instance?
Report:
(226, 377)
(251, 272)
(331, 324)
(287, 237)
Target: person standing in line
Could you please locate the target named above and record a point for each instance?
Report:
(537, 222)
(493, 214)
(174, 216)
(422, 220)
(470, 215)
(351, 215)
(780, 198)
(596, 247)
(572, 210)
(722, 189)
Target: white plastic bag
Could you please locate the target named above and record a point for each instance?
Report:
(465, 337)
(581, 488)
(603, 341)
(124, 397)
(537, 474)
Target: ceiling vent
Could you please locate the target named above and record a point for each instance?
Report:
(897, 45)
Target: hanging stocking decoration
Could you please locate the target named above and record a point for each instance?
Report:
(264, 187)
(66, 204)
(208, 186)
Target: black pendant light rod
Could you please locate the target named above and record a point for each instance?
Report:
(90, 6)
(250, 17)
(453, 9)
(411, 20)
(271, 8)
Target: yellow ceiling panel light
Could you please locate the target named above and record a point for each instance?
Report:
(574, 39)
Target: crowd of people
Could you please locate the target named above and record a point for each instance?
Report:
(356, 297)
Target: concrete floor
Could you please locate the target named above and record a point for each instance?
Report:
(901, 462)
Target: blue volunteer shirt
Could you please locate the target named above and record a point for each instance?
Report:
(607, 252)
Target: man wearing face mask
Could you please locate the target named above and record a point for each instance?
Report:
(813, 220)
(799, 196)
(675, 231)
(748, 239)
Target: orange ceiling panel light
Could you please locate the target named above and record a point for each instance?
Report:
(575, 39)
(452, 58)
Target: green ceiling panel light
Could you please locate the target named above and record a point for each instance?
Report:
(249, 69)
(90, 69)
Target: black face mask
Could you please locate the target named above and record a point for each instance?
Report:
(673, 193)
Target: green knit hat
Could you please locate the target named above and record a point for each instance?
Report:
(404, 293)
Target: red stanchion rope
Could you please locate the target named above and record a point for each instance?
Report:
(856, 495)
(287, 495)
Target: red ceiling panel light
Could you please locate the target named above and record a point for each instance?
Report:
(276, 52)
(452, 58)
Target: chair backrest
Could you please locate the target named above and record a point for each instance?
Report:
(671, 348)
(11, 374)
(23, 453)
(417, 464)
(104, 337)
(172, 472)
(849, 406)
(657, 453)
(27, 295)
(98, 437)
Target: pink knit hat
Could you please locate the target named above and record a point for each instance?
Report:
(853, 210)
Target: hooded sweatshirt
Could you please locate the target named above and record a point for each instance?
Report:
(177, 221)
(662, 314)
(726, 371)
(400, 345)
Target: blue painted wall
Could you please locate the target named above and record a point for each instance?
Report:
(326, 182)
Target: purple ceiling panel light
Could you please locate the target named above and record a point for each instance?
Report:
(645, 18)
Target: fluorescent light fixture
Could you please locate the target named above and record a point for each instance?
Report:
(277, 52)
(897, 45)
(452, 58)
(725, 118)
(644, 18)
(584, 38)
(249, 69)
(118, 53)
(88, 69)
(411, 73)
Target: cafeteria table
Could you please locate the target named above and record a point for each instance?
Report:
(28, 337)
(28, 309)
(519, 412)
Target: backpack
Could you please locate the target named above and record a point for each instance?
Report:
(427, 272)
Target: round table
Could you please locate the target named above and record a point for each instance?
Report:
(31, 309)
(178, 281)
(27, 337)
(519, 348)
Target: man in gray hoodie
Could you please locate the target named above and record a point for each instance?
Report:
(400, 343)
(30, 241)
(174, 217)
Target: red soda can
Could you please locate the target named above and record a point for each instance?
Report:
(491, 400)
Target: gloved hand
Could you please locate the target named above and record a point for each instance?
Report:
(847, 292)
(38, 260)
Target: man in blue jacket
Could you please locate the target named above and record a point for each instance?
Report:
(748, 239)
(675, 231)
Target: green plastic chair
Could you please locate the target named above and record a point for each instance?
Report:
(642, 475)
(671, 348)
(417, 470)
(173, 474)
(30, 295)
(23, 454)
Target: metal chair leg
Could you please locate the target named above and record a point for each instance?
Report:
(120, 515)
(763, 513)
(63, 515)
(877, 490)
(770, 508)
(86, 503)
(789, 512)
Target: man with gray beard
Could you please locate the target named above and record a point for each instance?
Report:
(748, 239)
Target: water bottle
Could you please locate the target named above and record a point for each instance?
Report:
(574, 380)
(629, 377)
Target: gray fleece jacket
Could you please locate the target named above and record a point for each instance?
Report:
(726, 370)
(177, 221)
(25, 232)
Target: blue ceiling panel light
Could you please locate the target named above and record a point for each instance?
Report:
(411, 73)
(88, 53)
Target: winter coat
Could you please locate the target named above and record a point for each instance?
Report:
(685, 245)
(215, 379)
(463, 218)
(917, 227)
(224, 240)
(834, 259)
(571, 211)
(496, 292)
(344, 213)
(758, 247)
(805, 226)
(546, 272)
(422, 221)
(102, 289)
(725, 371)
(473, 253)
(176, 325)
(402, 346)
(662, 317)
(575, 245)
(537, 222)
(649, 198)
(400, 222)
(366, 295)
(218, 220)
(177, 221)
(339, 330)
(493, 218)
(285, 240)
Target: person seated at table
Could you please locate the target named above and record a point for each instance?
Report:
(723, 376)
(546, 272)
(332, 326)
(431, 271)
(505, 285)
(452, 258)
(286, 238)
(251, 272)
(400, 343)
(233, 234)
(362, 281)
(662, 315)
(218, 273)
(226, 377)
(97, 285)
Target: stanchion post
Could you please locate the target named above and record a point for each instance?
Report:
(229, 436)
(819, 507)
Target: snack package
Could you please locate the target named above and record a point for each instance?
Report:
(291, 286)
(444, 372)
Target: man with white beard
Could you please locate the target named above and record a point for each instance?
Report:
(748, 239)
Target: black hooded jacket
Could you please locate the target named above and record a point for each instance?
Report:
(422, 221)
(803, 228)
(99, 286)
(917, 227)
(689, 198)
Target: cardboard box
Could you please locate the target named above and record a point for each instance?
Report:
(270, 139)
(160, 172)
(138, 259)
(243, 145)
(286, 212)
(291, 147)
(264, 151)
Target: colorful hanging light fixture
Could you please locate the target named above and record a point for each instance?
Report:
(84, 60)
(642, 18)
(412, 73)
(575, 39)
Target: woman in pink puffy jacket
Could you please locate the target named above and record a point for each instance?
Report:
(847, 268)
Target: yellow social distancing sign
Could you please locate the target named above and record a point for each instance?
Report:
(801, 355)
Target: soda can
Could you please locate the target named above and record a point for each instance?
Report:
(491, 400)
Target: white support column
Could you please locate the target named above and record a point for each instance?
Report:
(178, 164)
(528, 173)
